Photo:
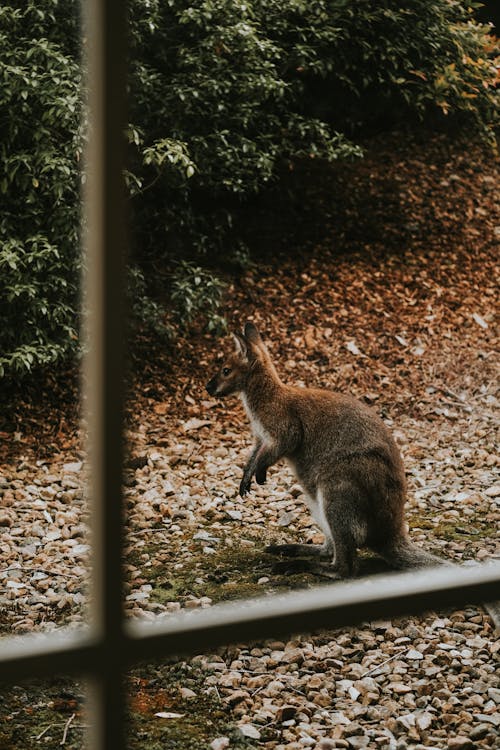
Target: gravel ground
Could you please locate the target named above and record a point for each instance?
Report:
(429, 682)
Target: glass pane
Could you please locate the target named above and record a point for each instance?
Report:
(231, 182)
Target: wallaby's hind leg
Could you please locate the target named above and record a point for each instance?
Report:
(344, 562)
(337, 512)
(341, 508)
(324, 551)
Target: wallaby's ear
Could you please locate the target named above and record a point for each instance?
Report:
(252, 335)
(241, 345)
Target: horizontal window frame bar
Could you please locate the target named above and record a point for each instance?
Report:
(81, 652)
(343, 604)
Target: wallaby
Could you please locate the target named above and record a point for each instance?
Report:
(341, 452)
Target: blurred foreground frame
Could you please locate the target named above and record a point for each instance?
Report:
(102, 651)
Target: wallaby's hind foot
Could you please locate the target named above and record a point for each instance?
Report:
(342, 501)
(344, 566)
(298, 550)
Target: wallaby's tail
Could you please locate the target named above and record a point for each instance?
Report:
(403, 554)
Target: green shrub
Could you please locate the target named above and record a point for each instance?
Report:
(208, 77)
(380, 63)
(196, 292)
(40, 151)
(226, 97)
(237, 92)
(146, 315)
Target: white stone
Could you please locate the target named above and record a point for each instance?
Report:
(249, 730)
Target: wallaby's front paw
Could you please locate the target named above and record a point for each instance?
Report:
(261, 476)
(245, 485)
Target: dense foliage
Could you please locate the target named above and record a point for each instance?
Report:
(40, 149)
(218, 117)
(226, 97)
(226, 94)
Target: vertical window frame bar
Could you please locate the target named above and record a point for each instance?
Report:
(105, 243)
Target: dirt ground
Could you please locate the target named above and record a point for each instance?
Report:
(388, 290)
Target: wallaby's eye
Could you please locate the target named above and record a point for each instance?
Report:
(226, 371)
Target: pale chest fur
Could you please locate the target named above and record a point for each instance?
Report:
(258, 428)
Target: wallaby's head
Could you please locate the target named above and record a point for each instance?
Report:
(235, 369)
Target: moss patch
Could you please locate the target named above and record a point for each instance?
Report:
(34, 715)
(232, 572)
(470, 530)
(202, 719)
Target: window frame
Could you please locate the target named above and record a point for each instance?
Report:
(103, 651)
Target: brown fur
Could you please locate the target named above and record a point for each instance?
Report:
(341, 452)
